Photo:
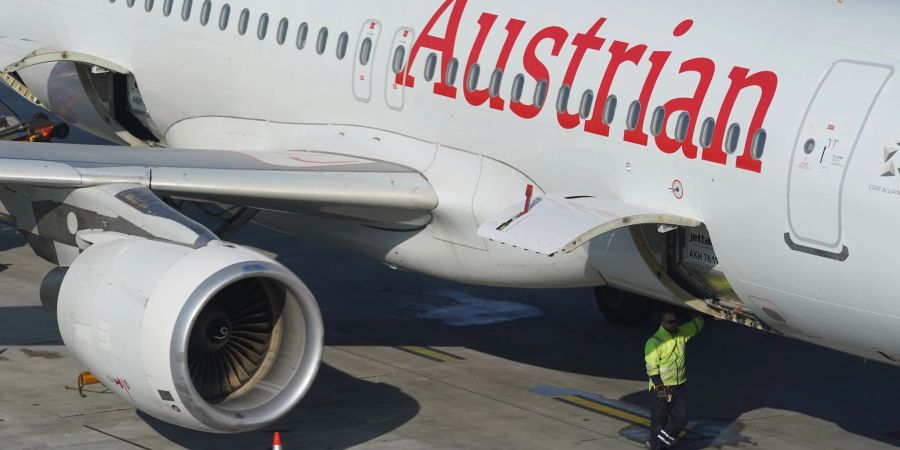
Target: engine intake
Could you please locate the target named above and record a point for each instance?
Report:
(219, 338)
(233, 336)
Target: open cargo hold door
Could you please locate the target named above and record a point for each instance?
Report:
(99, 96)
(685, 260)
(555, 223)
(676, 248)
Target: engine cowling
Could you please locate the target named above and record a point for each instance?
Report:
(219, 338)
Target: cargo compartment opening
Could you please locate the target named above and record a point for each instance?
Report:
(118, 99)
(101, 98)
(685, 260)
(691, 261)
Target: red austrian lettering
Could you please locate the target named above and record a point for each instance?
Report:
(741, 79)
(658, 60)
(582, 43)
(477, 97)
(442, 44)
(513, 29)
(657, 63)
(706, 68)
(620, 54)
(536, 69)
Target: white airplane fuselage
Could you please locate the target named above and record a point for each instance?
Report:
(808, 235)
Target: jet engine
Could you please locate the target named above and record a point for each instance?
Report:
(218, 338)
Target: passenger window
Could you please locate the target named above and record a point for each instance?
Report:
(224, 15)
(609, 109)
(399, 59)
(148, 5)
(587, 103)
(758, 145)
(301, 35)
(343, 40)
(562, 99)
(365, 52)
(517, 87)
(496, 81)
(186, 10)
(452, 68)
(130, 3)
(540, 94)
(263, 27)
(706, 132)
(657, 121)
(205, 11)
(430, 67)
(167, 7)
(681, 126)
(281, 38)
(322, 40)
(731, 138)
(472, 79)
(244, 22)
(634, 115)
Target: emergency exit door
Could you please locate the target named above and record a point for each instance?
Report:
(365, 53)
(825, 144)
(395, 93)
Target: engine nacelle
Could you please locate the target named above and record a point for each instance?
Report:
(218, 338)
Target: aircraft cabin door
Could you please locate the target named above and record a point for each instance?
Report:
(395, 92)
(825, 144)
(362, 67)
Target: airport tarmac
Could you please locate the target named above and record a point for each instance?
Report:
(414, 362)
(418, 363)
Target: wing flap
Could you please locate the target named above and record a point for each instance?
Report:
(560, 224)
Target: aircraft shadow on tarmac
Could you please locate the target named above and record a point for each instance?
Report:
(9, 239)
(28, 325)
(733, 370)
(338, 412)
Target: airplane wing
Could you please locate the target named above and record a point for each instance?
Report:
(298, 181)
(556, 223)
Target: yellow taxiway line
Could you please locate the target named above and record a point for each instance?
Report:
(430, 353)
(594, 406)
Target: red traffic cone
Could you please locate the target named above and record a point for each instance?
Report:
(276, 441)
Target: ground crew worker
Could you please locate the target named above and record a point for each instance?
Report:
(664, 354)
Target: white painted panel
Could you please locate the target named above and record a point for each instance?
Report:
(834, 121)
(454, 177)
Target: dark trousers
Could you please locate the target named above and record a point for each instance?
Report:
(667, 419)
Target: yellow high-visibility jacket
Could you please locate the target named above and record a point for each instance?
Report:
(665, 356)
